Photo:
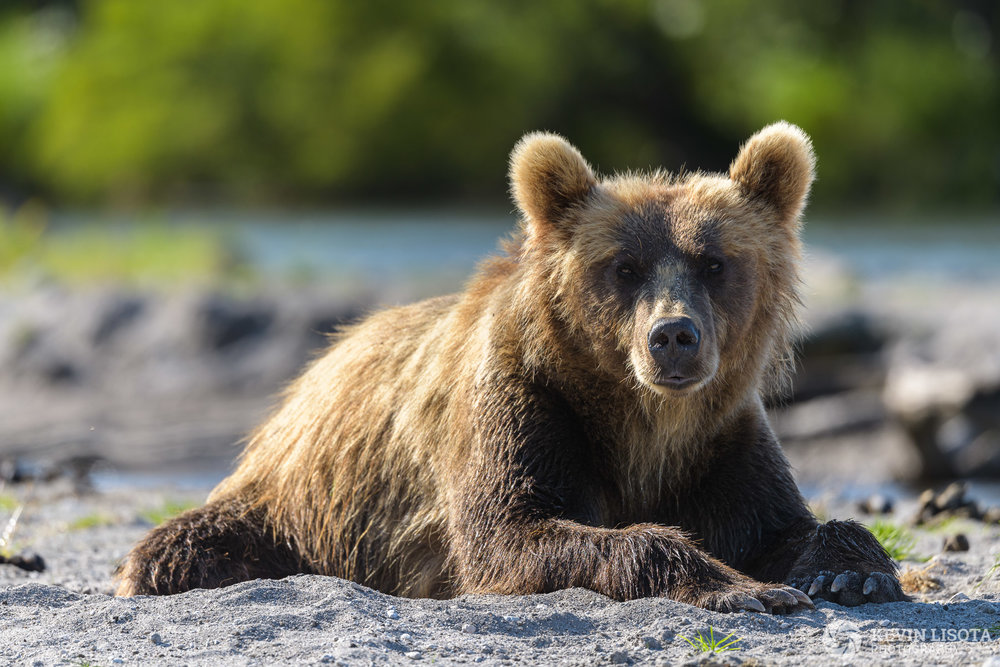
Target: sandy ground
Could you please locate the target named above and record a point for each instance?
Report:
(66, 614)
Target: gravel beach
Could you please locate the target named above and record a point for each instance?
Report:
(66, 615)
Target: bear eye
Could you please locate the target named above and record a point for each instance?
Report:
(714, 267)
(627, 272)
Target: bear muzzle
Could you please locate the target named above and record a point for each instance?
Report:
(674, 344)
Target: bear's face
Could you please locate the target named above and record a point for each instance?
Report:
(669, 283)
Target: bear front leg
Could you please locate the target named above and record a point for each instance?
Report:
(520, 558)
(841, 561)
(222, 543)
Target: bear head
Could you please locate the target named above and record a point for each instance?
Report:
(668, 284)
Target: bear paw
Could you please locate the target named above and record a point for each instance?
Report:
(850, 588)
(755, 596)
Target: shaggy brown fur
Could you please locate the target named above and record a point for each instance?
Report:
(587, 413)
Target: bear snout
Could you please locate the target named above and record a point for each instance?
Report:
(674, 337)
(674, 343)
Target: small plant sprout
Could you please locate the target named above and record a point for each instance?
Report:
(989, 573)
(8, 530)
(712, 644)
(895, 539)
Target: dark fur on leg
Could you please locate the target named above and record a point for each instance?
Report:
(220, 544)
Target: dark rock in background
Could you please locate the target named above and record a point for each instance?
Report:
(145, 379)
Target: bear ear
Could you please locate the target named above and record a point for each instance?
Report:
(548, 177)
(776, 166)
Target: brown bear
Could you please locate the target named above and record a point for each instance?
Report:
(586, 413)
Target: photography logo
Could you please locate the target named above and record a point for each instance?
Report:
(842, 637)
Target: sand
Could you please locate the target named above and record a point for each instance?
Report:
(66, 615)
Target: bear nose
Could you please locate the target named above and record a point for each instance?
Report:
(674, 336)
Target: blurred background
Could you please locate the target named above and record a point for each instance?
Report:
(192, 194)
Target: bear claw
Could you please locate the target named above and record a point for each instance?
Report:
(750, 604)
(851, 588)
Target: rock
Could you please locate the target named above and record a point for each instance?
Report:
(226, 322)
(468, 628)
(951, 502)
(117, 316)
(391, 613)
(15, 470)
(943, 389)
(619, 658)
(155, 638)
(29, 562)
(957, 542)
(876, 504)
(992, 515)
(842, 352)
(844, 412)
(958, 597)
(651, 643)
(952, 498)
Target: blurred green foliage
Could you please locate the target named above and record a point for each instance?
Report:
(325, 100)
(146, 252)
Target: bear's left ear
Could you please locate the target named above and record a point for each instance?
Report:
(548, 178)
(776, 166)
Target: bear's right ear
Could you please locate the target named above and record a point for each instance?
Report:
(548, 178)
(776, 166)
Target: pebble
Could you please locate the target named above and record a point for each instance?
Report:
(651, 643)
(468, 628)
(391, 613)
(957, 542)
(884, 623)
(413, 655)
(619, 658)
(156, 638)
(958, 597)
(406, 638)
(876, 504)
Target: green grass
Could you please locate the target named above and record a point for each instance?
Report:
(989, 574)
(897, 540)
(712, 644)
(167, 510)
(140, 253)
(8, 503)
(95, 520)
(940, 524)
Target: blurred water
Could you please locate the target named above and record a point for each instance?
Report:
(926, 249)
(399, 245)
(387, 246)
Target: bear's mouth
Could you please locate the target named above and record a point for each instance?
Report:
(676, 382)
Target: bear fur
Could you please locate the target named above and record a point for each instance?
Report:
(586, 413)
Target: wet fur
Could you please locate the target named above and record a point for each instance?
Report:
(505, 439)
